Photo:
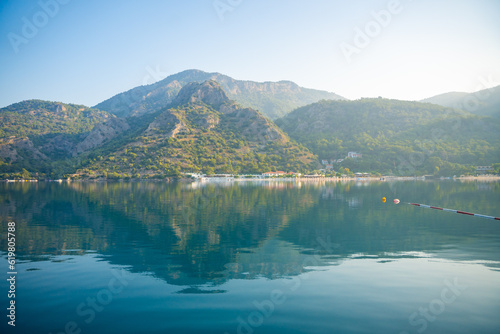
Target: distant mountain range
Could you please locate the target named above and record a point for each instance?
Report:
(273, 99)
(201, 130)
(183, 125)
(485, 102)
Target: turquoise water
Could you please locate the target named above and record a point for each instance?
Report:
(252, 258)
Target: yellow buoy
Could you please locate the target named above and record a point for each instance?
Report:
(383, 199)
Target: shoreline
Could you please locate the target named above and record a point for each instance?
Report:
(272, 179)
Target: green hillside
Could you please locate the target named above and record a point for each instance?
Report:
(201, 131)
(399, 137)
(34, 118)
(34, 133)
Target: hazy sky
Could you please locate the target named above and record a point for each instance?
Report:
(84, 52)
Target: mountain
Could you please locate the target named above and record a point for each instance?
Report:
(201, 130)
(273, 99)
(485, 102)
(34, 133)
(447, 99)
(100, 134)
(395, 136)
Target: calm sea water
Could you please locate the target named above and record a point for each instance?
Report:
(252, 258)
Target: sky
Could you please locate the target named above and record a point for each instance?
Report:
(84, 52)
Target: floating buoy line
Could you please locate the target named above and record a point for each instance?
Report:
(455, 211)
(396, 201)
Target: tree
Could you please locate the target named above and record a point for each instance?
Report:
(25, 174)
(496, 167)
(209, 170)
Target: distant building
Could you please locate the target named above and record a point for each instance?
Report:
(329, 166)
(196, 175)
(324, 162)
(273, 173)
(354, 155)
(484, 169)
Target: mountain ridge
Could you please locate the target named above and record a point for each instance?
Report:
(203, 130)
(485, 102)
(273, 99)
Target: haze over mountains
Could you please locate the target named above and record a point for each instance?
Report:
(485, 102)
(208, 122)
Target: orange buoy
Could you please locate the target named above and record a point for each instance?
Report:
(383, 199)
